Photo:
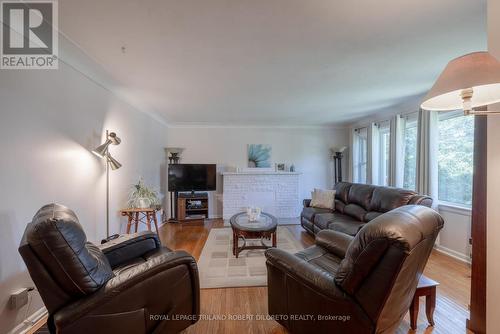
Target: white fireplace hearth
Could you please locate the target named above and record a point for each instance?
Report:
(276, 193)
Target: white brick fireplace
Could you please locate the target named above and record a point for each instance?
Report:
(275, 192)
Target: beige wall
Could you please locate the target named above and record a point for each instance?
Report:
(493, 229)
(49, 121)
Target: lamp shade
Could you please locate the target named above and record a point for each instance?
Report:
(174, 150)
(101, 150)
(113, 163)
(478, 71)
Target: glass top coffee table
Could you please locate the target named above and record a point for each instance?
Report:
(263, 228)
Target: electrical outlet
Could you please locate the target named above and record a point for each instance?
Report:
(19, 298)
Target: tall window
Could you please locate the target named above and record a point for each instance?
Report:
(410, 136)
(455, 158)
(360, 154)
(384, 153)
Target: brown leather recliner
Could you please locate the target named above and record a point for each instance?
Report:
(361, 284)
(128, 285)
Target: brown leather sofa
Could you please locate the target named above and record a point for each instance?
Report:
(129, 285)
(361, 284)
(355, 205)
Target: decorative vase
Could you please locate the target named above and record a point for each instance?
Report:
(142, 203)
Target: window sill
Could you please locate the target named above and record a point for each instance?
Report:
(454, 208)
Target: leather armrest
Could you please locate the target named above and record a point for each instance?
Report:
(115, 294)
(421, 200)
(305, 273)
(334, 242)
(307, 202)
(129, 246)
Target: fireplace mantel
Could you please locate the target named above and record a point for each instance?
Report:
(275, 192)
(260, 173)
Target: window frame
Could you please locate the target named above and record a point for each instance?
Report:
(410, 118)
(444, 116)
(360, 159)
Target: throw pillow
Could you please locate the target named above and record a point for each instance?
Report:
(324, 199)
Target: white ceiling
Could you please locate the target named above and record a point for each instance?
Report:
(274, 62)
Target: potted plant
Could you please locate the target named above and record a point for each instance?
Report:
(141, 196)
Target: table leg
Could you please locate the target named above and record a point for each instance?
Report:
(148, 220)
(414, 312)
(430, 306)
(129, 224)
(155, 220)
(233, 244)
(136, 221)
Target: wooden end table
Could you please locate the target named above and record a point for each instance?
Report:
(426, 287)
(143, 215)
(264, 228)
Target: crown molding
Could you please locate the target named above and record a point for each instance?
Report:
(206, 125)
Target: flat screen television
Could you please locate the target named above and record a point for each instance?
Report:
(191, 177)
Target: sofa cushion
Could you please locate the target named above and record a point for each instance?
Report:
(345, 224)
(386, 199)
(339, 206)
(321, 258)
(58, 239)
(322, 220)
(372, 215)
(309, 212)
(360, 194)
(355, 211)
(342, 191)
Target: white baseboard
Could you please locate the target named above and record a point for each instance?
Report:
(27, 324)
(454, 254)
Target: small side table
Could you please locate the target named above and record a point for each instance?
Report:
(426, 287)
(136, 216)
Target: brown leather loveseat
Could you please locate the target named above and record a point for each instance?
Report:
(128, 285)
(361, 284)
(355, 205)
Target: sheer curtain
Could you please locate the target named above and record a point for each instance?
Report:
(397, 151)
(373, 154)
(427, 164)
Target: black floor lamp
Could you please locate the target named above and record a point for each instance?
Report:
(174, 156)
(102, 152)
(338, 154)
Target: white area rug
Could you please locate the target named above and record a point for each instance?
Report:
(219, 268)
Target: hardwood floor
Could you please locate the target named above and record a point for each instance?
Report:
(452, 295)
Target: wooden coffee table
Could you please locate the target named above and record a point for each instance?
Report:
(263, 228)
